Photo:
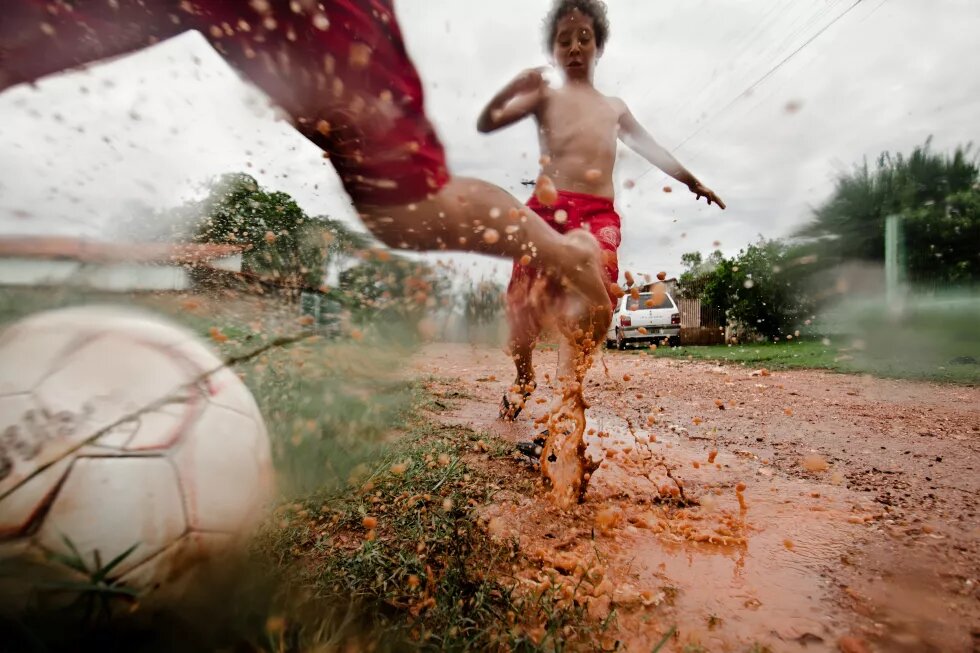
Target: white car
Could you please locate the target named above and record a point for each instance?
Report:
(652, 317)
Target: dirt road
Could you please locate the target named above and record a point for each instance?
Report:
(839, 512)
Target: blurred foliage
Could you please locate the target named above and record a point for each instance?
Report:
(762, 288)
(482, 302)
(282, 241)
(294, 250)
(938, 197)
(385, 285)
(773, 287)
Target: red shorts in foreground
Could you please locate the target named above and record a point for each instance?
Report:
(571, 211)
(338, 67)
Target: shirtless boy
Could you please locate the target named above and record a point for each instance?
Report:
(340, 70)
(577, 127)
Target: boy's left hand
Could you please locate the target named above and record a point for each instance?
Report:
(701, 190)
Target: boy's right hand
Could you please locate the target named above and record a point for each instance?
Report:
(528, 81)
(515, 101)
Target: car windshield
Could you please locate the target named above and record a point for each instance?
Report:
(649, 300)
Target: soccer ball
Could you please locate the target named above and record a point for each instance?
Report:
(128, 453)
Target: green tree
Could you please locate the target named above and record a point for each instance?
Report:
(718, 287)
(482, 302)
(938, 196)
(764, 288)
(387, 284)
(698, 271)
(270, 224)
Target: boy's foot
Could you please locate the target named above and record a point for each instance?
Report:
(509, 411)
(583, 269)
(509, 408)
(533, 448)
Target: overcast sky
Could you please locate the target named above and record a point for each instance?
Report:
(90, 153)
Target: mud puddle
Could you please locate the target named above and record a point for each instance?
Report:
(685, 529)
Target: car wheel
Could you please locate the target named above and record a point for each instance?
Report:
(674, 341)
(610, 343)
(620, 341)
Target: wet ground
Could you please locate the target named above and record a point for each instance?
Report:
(799, 511)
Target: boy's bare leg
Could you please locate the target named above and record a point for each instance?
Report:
(467, 215)
(475, 216)
(523, 338)
(524, 331)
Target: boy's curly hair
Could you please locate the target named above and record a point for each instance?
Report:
(596, 9)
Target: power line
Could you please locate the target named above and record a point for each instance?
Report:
(875, 10)
(756, 83)
(790, 38)
(793, 54)
(772, 15)
(815, 19)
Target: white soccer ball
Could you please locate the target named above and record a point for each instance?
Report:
(119, 430)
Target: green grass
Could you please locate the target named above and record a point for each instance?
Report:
(339, 416)
(795, 355)
(809, 354)
(329, 405)
(430, 578)
(334, 413)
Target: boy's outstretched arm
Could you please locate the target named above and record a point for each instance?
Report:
(639, 140)
(513, 102)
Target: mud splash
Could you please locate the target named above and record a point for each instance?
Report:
(708, 520)
(740, 560)
(565, 464)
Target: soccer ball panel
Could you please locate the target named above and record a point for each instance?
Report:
(26, 356)
(220, 471)
(147, 440)
(170, 573)
(109, 379)
(18, 508)
(227, 390)
(117, 437)
(26, 434)
(110, 504)
(34, 346)
(86, 321)
(158, 430)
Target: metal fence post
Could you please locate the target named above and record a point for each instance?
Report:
(894, 259)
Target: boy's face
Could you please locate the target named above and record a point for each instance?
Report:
(574, 48)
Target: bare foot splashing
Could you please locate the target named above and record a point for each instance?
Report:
(565, 465)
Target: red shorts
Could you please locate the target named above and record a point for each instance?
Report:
(341, 72)
(571, 211)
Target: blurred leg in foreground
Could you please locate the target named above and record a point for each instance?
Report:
(340, 71)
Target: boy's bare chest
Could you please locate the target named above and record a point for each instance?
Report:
(582, 114)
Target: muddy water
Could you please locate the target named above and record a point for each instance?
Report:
(807, 562)
(564, 463)
(771, 590)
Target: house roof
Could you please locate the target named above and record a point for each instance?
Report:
(89, 251)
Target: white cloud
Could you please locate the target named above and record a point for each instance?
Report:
(885, 76)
